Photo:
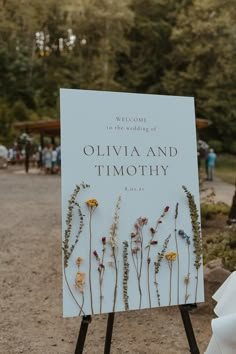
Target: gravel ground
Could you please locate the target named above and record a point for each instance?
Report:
(31, 282)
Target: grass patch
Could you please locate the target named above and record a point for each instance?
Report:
(221, 244)
(226, 168)
(210, 211)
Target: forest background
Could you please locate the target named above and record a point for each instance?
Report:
(185, 47)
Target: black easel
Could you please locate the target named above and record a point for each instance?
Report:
(184, 310)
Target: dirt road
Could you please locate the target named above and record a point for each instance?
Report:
(31, 296)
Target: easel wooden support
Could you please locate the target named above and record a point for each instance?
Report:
(184, 310)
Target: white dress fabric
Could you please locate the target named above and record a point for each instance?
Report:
(223, 339)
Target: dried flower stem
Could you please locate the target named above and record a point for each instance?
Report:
(101, 270)
(135, 262)
(141, 265)
(116, 278)
(177, 251)
(67, 249)
(101, 275)
(151, 243)
(80, 281)
(187, 278)
(170, 264)
(157, 264)
(196, 234)
(170, 257)
(185, 237)
(137, 237)
(125, 275)
(113, 244)
(91, 204)
(67, 283)
(90, 259)
(148, 278)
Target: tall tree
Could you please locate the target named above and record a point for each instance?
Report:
(202, 62)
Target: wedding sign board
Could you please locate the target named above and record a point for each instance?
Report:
(130, 202)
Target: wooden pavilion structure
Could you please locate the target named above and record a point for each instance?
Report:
(51, 128)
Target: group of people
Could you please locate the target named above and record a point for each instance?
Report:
(50, 159)
(47, 159)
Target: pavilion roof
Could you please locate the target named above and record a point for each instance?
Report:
(52, 127)
(48, 128)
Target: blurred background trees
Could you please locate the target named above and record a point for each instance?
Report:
(185, 47)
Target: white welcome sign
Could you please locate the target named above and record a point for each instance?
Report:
(130, 202)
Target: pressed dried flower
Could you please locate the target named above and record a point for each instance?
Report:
(137, 257)
(72, 203)
(197, 243)
(185, 237)
(153, 243)
(113, 243)
(104, 240)
(92, 202)
(114, 227)
(79, 260)
(160, 257)
(95, 254)
(79, 280)
(92, 205)
(186, 280)
(171, 256)
(125, 274)
(67, 248)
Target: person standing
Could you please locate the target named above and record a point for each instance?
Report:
(54, 160)
(47, 159)
(211, 159)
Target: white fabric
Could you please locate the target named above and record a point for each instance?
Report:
(223, 340)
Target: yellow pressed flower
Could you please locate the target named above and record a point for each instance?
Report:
(92, 202)
(171, 256)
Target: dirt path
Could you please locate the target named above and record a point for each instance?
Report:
(224, 192)
(30, 302)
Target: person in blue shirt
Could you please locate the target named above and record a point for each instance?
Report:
(211, 159)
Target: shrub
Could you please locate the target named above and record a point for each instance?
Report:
(232, 148)
(221, 245)
(210, 210)
(217, 145)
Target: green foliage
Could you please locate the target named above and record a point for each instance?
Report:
(232, 147)
(202, 62)
(217, 145)
(5, 122)
(226, 167)
(155, 46)
(221, 245)
(211, 210)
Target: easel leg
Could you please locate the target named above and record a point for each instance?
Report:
(110, 322)
(184, 310)
(82, 334)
